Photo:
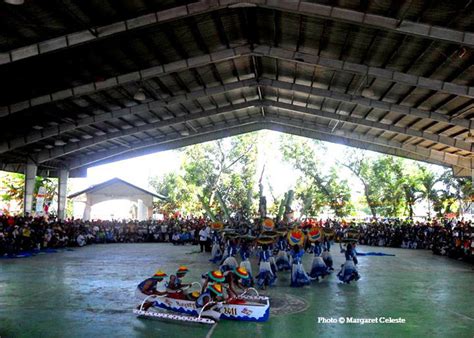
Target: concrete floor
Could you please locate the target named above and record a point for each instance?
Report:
(88, 292)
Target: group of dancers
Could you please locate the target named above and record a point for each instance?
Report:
(283, 252)
(277, 252)
(215, 286)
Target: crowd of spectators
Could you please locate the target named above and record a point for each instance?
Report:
(27, 234)
(450, 238)
(18, 234)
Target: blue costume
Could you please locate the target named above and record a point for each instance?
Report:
(282, 261)
(348, 271)
(265, 276)
(298, 274)
(216, 253)
(230, 263)
(142, 284)
(245, 254)
(318, 267)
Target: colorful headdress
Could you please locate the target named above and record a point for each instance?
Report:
(182, 270)
(268, 225)
(314, 234)
(216, 288)
(216, 276)
(241, 272)
(217, 226)
(159, 275)
(295, 236)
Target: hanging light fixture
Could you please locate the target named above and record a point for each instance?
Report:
(139, 95)
(15, 2)
(59, 143)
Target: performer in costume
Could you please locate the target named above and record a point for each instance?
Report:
(216, 252)
(272, 259)
(265, 275)
(234, 279)
(215, 276)
(298, 274)
(348, 271)
(318, 267)
(282, 261)
(209, 298)
(230, 263)
(175, 283)
(245, 263)
(150, 287)
(327, 258)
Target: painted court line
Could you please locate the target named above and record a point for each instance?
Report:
(209, 334)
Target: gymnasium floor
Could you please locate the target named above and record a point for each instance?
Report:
(89, 292)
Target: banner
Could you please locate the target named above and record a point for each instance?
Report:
(40, 200)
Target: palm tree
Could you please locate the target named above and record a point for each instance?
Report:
(428, 180)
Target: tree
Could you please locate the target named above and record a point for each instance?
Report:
(13, 187)
(214, 176)
(428, 179)
(412, 189)
(382, 179)
(456, 189)
(319, 188)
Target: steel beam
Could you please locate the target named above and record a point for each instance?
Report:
(417, 152)
(370, 103)
(58, 130)
(171, 141)
(399, 149)
(373, 124)
(299, 7)
(140, 75)
(47, 155)
(290, 55)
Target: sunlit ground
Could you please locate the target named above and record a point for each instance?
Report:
(88, 292)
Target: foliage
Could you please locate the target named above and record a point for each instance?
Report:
(13, 184)
(225, 166)
(316, 189)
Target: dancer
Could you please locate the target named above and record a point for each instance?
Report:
(215, 276)
(245, 263)
(234, 279)
(265, 275)
(150, 287)
(216, 252)
(298, 274)
(282, 261)
(230, 263)
(175, 283)
(327, 258)
(348, 271)
(318, 267)
(210, 300)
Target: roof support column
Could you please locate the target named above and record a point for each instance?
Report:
(62, 193)
(30, 180)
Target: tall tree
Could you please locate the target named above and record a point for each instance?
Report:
(214, 176)
(13, 186)
(428, 180)
(302, 154)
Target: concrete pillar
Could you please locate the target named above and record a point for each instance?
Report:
(142, 210)
(86, 216)
(62, 193)
(30, 181)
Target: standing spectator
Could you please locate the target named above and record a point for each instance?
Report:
(203, 238)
